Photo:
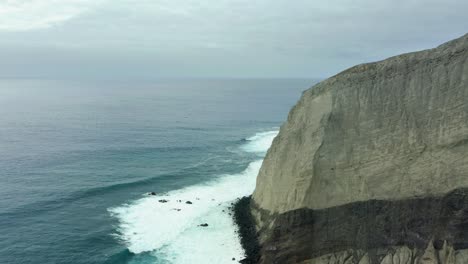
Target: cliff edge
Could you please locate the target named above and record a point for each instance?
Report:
(372, 166)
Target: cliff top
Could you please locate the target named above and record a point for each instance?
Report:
(389, 65)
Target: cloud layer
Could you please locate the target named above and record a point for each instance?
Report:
(23, 15)
(207, 38)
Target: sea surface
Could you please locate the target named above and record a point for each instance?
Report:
(78, 159)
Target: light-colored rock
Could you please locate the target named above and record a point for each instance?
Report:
(392, 129)
(399, 255)
(389, 135)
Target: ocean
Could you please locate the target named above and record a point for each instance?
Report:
(78, 160)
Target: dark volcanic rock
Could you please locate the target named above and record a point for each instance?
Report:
(369, 226)
(247, 232)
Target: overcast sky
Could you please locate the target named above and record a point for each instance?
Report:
(215, 38)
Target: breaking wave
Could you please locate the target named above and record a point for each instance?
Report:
(167, 225)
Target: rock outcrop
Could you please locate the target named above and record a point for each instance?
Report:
(372, 166)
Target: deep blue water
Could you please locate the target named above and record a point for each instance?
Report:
(74, 153)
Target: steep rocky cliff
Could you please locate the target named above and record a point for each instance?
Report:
(372, 166)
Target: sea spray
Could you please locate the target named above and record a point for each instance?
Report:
(260, 142)
(168, 227)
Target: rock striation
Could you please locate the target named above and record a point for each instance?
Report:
(371, 166)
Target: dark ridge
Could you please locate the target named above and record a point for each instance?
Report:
(374, 226)
(247, 233)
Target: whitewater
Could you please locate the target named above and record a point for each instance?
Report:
(167, 225)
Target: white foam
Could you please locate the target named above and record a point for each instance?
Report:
(260, 142)
(217, 243)
(147, 225)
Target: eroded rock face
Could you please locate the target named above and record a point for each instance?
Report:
(391, 137)
(372, 229)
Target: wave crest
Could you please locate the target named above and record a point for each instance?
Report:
(168, 227)
(260, 142)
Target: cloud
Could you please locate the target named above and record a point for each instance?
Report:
(24, 15)
(266, 38)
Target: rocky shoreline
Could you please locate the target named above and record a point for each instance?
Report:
(360, 231)
(247, 232)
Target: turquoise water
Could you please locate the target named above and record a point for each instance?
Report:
(78, 159)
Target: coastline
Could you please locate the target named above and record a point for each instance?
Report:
(164, 223)
(246, 230)
(370, 166)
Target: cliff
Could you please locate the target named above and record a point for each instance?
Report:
(372, 166)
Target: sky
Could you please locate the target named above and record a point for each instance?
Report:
(144, 39)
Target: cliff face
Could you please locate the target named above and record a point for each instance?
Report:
(372, 166)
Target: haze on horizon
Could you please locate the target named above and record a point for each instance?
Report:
(134, 39)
